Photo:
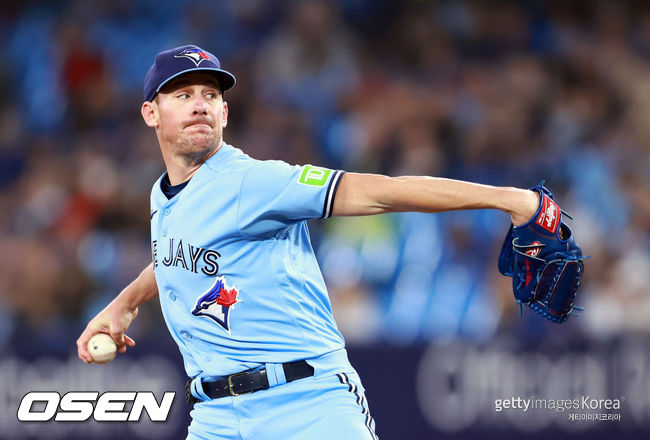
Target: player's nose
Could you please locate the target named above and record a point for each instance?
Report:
(199, 106)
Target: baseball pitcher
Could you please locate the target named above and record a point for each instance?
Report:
(235, 273)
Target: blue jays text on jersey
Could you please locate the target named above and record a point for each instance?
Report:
(238, 281)
(196, 257)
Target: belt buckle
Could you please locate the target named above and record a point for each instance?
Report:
(230, 384)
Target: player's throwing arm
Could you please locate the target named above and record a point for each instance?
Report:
(115, 319)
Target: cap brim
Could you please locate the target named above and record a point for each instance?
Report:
(226, 79)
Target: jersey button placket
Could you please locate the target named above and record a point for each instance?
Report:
(172, 296)
(163, 218)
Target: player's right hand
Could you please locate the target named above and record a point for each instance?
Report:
(113, 320)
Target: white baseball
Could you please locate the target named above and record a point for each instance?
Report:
(102, 348)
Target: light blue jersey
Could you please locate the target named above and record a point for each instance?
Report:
(238, 281)
(242, 293)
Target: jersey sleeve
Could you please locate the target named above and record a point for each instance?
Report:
(274, 195)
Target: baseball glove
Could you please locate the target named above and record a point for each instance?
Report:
(544, 261)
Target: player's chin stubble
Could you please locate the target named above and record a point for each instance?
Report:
(194, 143)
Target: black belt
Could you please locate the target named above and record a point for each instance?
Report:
(248, 381)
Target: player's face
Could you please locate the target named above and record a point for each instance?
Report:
(191, 113)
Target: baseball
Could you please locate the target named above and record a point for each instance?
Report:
(102, 348)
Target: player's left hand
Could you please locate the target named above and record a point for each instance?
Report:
(543, 259)
(525, 207)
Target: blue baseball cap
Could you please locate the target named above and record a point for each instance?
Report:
(179, 60)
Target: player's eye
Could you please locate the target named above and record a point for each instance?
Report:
(211, 95)
(183, 95)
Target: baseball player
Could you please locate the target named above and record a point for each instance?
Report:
(239, 285)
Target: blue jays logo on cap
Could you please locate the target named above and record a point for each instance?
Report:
(172, 63)
(196, 55)
(217, 303)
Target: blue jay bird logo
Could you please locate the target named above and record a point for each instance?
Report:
(217, 302)
(196, 55)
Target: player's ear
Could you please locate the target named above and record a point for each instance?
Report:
(224, 115)
(149, 112)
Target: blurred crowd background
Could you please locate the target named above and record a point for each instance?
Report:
(499, 92)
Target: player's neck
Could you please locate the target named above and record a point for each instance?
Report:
(181, 168)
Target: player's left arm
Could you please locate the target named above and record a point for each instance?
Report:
(367, 194)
